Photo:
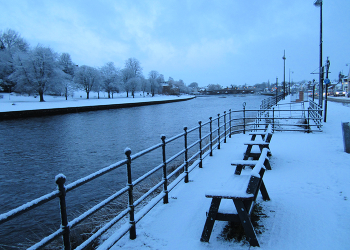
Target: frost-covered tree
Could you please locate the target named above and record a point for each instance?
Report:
(68, 68)
(87, 78)
(134, 66)
(126, 76)
(160, 81)
(110, 77)
(133, 84)
(37, 71)
(213, 87)
(193, 85)
(144, 85)
(152, 77)
(10, 44)
(180, 85)
(131, 70)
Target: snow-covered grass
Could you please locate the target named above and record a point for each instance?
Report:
(15, 102)
(308, 186)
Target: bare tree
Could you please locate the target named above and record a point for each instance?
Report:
(87, 78)
(37, 71)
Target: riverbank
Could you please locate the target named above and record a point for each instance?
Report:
(308, 186)
(17, 106)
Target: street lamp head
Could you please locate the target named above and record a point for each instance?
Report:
(318, 3)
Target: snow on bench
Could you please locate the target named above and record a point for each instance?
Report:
(262, 134)
(260, 143)
(242, 190)
(264, 159)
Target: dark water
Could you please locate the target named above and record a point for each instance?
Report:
(34, 150)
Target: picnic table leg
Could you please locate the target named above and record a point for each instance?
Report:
(267, 164)
(238, 170)
(246, 223)
(263, 191)
(209, 223)
(247, 152)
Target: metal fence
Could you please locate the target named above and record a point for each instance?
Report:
(197, 143)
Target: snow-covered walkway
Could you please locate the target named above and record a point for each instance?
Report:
(308, 185)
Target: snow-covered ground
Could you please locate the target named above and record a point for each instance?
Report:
(16, 102)
(308, 186)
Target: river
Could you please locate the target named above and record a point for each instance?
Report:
(34, 150)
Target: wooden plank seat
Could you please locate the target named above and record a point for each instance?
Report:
(263, 134)
(251, 163)
(261, 144)
(242, 190)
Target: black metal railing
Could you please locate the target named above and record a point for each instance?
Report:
(198, 143)
(271, 101)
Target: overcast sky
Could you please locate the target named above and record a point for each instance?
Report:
(210, 42)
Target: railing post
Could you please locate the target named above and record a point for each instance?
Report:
(218, 131)
(131, 196)
(165, 179)
(60, 180)
(200, 145)
(273, 119)
(308, 119)
(225, 126)
(211, 136)
(186, 156)
(244, 117)
(230, 123)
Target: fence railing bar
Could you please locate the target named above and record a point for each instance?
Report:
(143, 152)
(193, 157)
(93, 176)
(28, 206)
(174, 138)
(176, 170)
(47, 240)
(146, 175)
(97, 207)
(121, 231)
(175, 156)
(148, 193)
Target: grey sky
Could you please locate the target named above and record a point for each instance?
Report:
(221, 42)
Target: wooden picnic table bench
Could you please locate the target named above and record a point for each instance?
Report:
(263, 134)
(251, 163)
(243, 191)
(260, 143)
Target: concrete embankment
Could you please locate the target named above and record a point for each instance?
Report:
(65, 110)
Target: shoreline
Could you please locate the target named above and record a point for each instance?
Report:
(7, 115)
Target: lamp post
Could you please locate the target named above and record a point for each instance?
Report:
(284, 73)
(318, 3)
(289, 80)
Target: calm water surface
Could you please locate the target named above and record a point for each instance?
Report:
(34, 150)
